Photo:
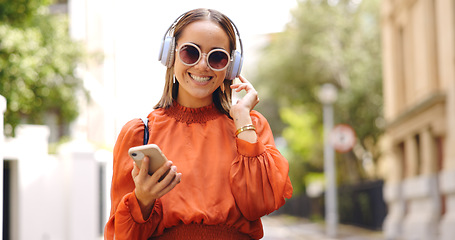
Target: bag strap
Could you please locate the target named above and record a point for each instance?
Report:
(146, 130)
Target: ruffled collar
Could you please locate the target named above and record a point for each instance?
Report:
(193, 115)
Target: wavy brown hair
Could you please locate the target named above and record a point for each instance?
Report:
(222, 100)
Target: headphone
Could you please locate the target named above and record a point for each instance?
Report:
(167, 51)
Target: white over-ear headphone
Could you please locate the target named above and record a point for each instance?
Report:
(167, 50)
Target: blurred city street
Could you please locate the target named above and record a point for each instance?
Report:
(284, 227)
(359, 96)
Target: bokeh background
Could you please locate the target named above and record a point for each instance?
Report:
(73, 72)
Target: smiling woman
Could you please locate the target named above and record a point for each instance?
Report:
(225, 171)
(197, 82)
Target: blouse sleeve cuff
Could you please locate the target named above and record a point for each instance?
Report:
(248, 149)
(135, 209)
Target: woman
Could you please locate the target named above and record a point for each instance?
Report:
(225, 172)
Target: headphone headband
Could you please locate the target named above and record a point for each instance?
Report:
(173, 25)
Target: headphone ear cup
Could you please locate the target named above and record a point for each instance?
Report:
(170, 60)
(166, 56)
(235, 66)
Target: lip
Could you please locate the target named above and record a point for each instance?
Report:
(200, 83)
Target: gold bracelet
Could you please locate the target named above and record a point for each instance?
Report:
(245, 128)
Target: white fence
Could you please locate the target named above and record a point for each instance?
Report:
(62, 196)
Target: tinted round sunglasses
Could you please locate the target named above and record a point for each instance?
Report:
(190, 54)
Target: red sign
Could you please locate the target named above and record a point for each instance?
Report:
(343, 138)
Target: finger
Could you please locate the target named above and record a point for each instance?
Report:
(170, 175)
(135, 170)
(240, 87)
(176, 180)
(144, 166)
(254, 97)
(243, 87)
(243, 79)
(162, 170)
(236, 85)
(244, 83)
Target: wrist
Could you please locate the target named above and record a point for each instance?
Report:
(140, 210)
(242, 120)
(239, 112)
(241, 117)
(144, 203)
(248, 127)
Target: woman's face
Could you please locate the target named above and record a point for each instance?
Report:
(198, 82)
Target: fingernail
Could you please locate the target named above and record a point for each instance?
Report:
(174, 168)
(169, 163)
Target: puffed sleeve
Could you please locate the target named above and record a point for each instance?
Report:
(126, 221)
(259, 174)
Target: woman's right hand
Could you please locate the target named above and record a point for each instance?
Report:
(148, 188)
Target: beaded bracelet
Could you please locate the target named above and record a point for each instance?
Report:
(245, 128)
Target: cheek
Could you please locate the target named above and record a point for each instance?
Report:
(179, 70)
(221, 75)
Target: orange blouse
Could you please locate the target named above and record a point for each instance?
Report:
(225, 181)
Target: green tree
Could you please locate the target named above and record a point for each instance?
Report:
(326, 42)
(37, 64)
(20, 12)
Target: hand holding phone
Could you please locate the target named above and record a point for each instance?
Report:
(157, 158)
(147, 191)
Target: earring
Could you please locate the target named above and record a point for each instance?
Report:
(173, 80)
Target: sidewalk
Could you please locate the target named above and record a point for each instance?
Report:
(284, 227)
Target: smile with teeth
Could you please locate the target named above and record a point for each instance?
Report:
(199, 78)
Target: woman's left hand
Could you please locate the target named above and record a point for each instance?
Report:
(240, 112)
(248, 102)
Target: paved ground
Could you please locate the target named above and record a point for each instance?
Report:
(292, 228)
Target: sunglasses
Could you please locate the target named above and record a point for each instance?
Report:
(190, 54)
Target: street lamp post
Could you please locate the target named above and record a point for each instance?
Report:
(327, 96)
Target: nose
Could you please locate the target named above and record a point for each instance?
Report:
(202, 64)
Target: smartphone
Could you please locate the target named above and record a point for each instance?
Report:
(157, 158)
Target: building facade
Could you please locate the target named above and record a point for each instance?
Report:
(419, 108)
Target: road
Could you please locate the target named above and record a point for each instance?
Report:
(292, 228)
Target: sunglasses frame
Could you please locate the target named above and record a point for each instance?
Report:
(206, 55)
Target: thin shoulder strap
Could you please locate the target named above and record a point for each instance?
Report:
(146, 130)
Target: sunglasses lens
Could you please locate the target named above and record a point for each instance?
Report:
(189, 54)
(218, 59)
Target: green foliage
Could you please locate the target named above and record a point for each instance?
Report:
(300, 134)
(37, 63)
(326, 42)
(20, 12)
(304, 142)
